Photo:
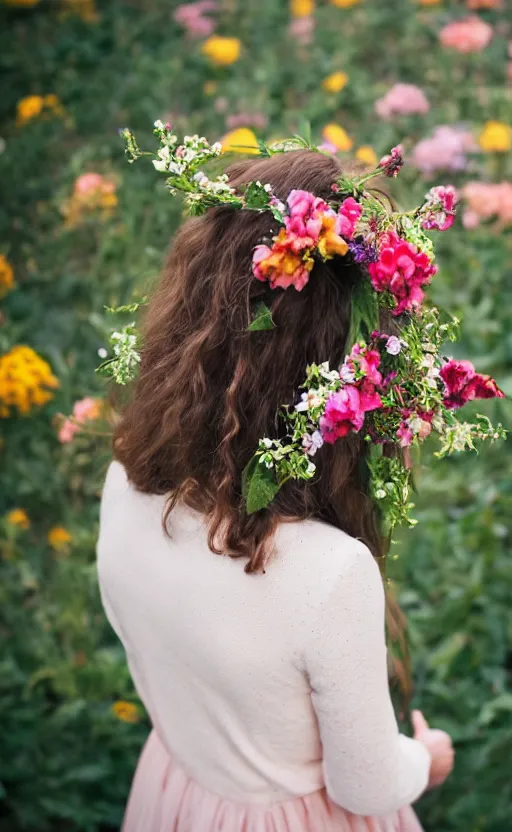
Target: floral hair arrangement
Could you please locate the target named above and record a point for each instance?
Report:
(392, 389)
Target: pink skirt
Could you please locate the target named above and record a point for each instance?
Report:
(164, 799)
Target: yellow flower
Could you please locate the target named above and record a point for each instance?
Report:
(59, 538)
(34, 105)
(336, 135)
(210, 87)
(221, 51)
(335, 82)
(126, 712)
(241, 140)
(367, 156)
(26, 381)
(6, 276)
(18, 517)
(344, 4)
(496, 137)
(28, 108)
(302, 8)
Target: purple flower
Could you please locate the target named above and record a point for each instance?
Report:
(363, 252)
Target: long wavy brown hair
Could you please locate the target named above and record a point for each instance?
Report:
(209, 389)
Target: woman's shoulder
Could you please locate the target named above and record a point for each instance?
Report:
(316, 548)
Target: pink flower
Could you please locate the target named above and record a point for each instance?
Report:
(393, 163)
(280, 266)
(445, 150)
(401, 270)
(402, 99)
(67, 431)
(84, 410)
(469, 35)
(87, 183)
(348, 216)
(191, 17)
(365, 361)
(405, 435)
(301, 29)
(304, 223)
(344, 412)
(463, 384)
(258, 120)
(439, 208)
(486, 200)
(327, 147)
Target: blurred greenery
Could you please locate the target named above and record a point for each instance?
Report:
(66, 758)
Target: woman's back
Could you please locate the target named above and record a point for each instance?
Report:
(255, 683)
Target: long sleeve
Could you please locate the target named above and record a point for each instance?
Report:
(370, 768)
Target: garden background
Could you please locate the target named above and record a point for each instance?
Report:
(81, 230)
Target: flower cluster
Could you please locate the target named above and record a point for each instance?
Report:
(310, 227)
(85, 410)
(485, 201)
(26, 381)
(402, 99)
(92, 193)
(393, 390)
(36, 106)
(445, 149)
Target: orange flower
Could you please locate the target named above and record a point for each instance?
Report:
(335, 82)
(18, 517)
(337, 136)
(330, 243)
(6, 276)
(59, 538)
(126, 711)
(281, 266)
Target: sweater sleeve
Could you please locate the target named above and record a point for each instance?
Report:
(369, 767)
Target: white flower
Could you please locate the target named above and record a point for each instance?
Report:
(164, 155)
(394, 345)
(267, 188)
(159, 124)
(326, 372)
(311, 469)
(216, 148)
(102, 352)
(380, 494)
(309, 400)
(312, 442)
(266, 442)
(346, 374)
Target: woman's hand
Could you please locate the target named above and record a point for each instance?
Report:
(439, 744)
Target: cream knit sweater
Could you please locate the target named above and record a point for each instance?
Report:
(263, 687)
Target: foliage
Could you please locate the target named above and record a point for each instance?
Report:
(69, 742)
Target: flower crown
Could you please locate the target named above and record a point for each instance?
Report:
(393, 390)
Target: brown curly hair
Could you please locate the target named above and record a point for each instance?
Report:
(209, 389)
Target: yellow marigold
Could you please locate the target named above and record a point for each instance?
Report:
(126, 711)
(337, 136)
(344, 4)
(6, 276)
(28, 108)
(335, 82)
(241, 140)
(302, 8)
(367, 156)
(18, 517)
(210, 87)
(58, 538)
(221, 51)
(496, 137)
(26, 381)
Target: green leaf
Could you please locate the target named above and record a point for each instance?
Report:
(364, 313)
(259, 486)
(262, 319)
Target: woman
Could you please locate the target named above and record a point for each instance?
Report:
(256, 641)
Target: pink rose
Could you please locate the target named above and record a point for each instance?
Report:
(402, 99)
(401, 270)
(469, 35)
